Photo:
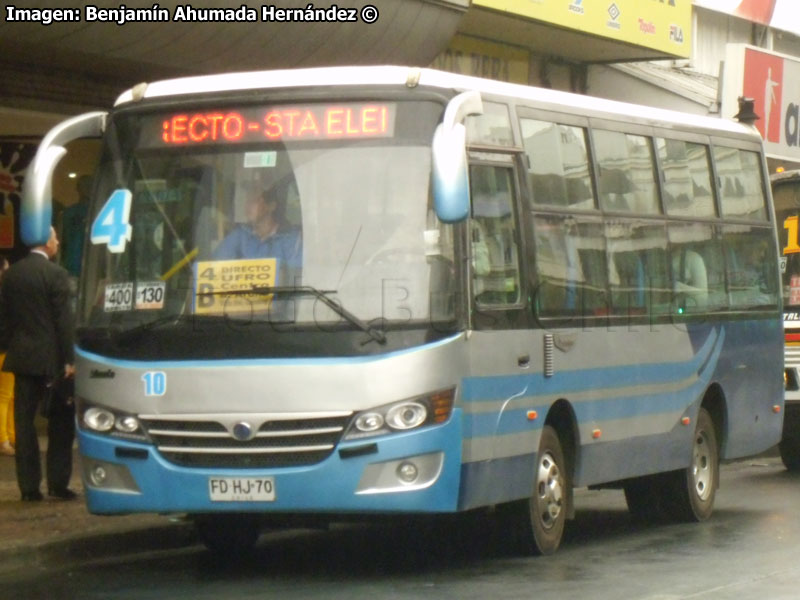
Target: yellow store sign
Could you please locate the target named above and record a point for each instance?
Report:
(479, 58)
(663, 25)
(215, 278)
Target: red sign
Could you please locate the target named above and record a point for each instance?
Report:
(763, 81)
(282, 123)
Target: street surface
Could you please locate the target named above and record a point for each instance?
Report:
(749, 549)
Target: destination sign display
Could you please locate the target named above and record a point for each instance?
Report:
(270, 124)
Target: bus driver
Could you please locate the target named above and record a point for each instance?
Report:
(266, 232)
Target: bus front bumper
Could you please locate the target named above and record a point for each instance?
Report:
(412, 472)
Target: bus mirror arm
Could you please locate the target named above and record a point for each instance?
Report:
(37, 202)
(450, 174)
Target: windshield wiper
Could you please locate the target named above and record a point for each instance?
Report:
(307, 290)
(127, 335)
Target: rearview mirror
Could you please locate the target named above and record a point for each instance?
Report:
(450, 175)
(37, 196)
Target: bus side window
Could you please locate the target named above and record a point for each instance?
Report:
(558, 171)
(626, 178)
(638, 267)
(493, 235)
(751, 266)
(686, 173)
(741, 180)
(570, 267)
(697, 266)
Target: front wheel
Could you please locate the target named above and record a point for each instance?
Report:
(535, 525)
(690, 492)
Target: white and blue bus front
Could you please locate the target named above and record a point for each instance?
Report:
(316, 374)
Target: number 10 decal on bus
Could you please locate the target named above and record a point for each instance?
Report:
(346, 292)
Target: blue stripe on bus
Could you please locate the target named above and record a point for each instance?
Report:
(602, 409)
(493, 388)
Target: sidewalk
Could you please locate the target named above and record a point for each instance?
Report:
(55, 532)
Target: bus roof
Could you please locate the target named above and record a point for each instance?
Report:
(413, 76)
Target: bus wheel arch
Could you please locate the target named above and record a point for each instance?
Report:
(715, 404)
(689, 493)
(535, 525)
(561, 417)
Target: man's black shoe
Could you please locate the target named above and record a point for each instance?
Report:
(32, 496)
(62, 494)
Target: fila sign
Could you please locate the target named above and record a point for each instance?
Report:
(773, 81)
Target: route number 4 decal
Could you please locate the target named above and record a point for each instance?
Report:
(111, 225)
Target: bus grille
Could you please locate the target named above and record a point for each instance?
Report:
(277, 443)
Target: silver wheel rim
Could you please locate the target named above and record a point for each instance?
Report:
(550, 491)
(702, 466)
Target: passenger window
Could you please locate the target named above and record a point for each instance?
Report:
(570, 267)
(626, 172)
(751, 265)
(687, 178)
(740, 183)
(558, 169)
(638, 269)
(493, 236)
(492, 128)
(698, 269)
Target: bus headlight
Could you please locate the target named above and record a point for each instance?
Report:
(368, 422)
(127, 424)
(431, 409)
(100, 419)
(406, 415)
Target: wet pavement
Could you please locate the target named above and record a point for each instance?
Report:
(56, 531)
(747, 550)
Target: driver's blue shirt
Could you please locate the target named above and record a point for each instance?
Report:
(285, 245)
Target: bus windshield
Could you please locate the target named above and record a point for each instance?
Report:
(786, 196)
(193, 209)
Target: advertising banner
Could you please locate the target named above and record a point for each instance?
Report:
(780, 14)
(480, 58)
(16, 155)
(663, 25)
(773, 82)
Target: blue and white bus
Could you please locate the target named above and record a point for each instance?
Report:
(491, 295)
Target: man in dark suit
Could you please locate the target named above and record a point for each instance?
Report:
(37, 332)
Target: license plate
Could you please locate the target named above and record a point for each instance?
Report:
(241, 489)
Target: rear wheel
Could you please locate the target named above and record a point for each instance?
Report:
(228, 535)
(536, 525)
(689, 493)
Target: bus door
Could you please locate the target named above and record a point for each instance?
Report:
(502, 348)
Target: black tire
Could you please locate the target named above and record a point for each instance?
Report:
(689, 493)
(789, 446)
(228, 535)
(535, 525)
